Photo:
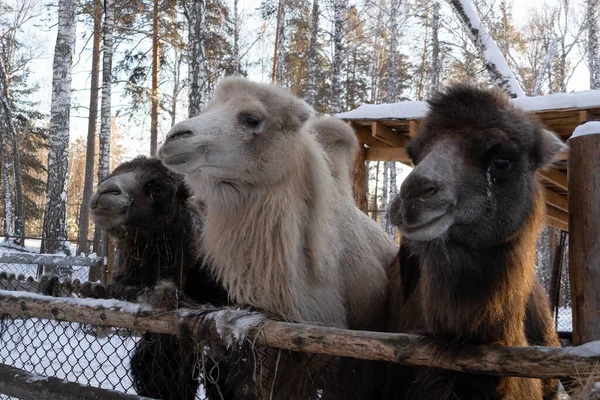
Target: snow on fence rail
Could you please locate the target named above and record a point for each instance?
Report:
(231, 325)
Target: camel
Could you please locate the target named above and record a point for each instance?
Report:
(282, 233)
(470, 213)
(146, 210)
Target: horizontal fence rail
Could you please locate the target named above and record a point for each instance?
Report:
(47, 259)
(27, 386)
(231, 325)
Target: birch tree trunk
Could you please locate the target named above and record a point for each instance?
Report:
(237, 68)
(338, 48)
(393, 192)
(55, 224)
(154, 89)
(392, 89)
(8, 131)
(545, 67)
(311, 87)
(105, 116)
(494, 62)
(384, 196)
(436, 63)
(593, 49)
(88, 185)
(195, 11)
(6, 196)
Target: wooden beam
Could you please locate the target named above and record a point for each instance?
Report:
(556, 200)
(585, 116)
(230, 325)
(413, 127)
(584, 246)
(24, 385)
(363, 133)
(555, 177)
(387, 154)
(359, 181)
(557, 218)
(387, 135)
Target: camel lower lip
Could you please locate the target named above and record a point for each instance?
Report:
(176, 160)
(424, 225)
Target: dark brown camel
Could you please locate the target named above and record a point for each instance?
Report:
(470, 213)
(146, 209)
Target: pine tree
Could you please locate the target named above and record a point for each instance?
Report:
(55, 230)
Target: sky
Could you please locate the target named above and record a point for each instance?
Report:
(136, 141)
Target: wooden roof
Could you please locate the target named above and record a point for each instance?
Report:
(385, 132)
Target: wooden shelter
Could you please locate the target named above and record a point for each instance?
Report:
(385, 129)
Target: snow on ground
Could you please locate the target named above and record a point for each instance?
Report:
(589, 128)
(67, 351)
(418, 109)
(565, 319)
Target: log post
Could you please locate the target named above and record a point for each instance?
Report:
(584, 232)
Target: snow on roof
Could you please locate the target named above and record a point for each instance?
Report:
(418, 109)
(589, 128)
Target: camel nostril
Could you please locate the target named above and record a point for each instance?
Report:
(179, 134)
(419, 189)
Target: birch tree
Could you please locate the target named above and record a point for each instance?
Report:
(195, 12)
(339, 7)
(436, 63)
(55, 229)
(105, 117)
(392, 89)
(84, 211)
(6, 184)
(105, 107)
(237, 67)
(494, 62)
(311, 88)
(593, 44)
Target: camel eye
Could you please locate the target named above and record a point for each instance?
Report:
(253, 122)
(501, 163)
(156, 189)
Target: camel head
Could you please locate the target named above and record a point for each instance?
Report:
(475, 162)
(137, 197)
(246, 136)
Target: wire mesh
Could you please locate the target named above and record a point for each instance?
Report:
(31, 270)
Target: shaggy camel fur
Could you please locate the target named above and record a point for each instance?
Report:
(470, 214)
(282, 232)
(146, 209)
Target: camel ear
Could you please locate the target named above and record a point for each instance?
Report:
(550, 149)
(303, 111)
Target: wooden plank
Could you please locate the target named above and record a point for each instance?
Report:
(557, 218)
(24, 385)
(387, 154)
(555, 177)
(585, 116)
(556, 200)
(413, 127)
(387, 135)
(584, 245)
(359, 183)
(363, 133)
(230, 325)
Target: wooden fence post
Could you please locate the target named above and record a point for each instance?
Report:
(584, 231)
